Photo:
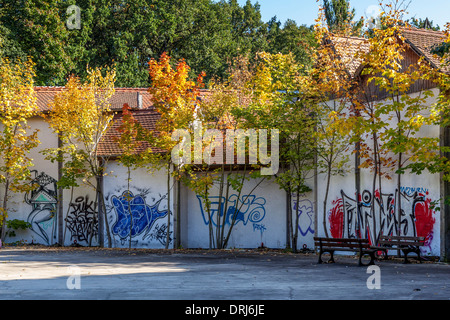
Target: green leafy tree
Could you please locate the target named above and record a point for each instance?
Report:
(275, 103)
(291, 38)
(338, 15)
(41, 33)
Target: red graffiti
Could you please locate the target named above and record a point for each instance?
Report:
(418, 217)
(424, 219)
(336, 219)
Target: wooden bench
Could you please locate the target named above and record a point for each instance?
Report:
(330, 245)
(403, 243)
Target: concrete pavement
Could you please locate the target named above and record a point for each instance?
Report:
(63, 273)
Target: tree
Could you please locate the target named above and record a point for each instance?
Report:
(80, 116)
(387, 68)
(423, 24)
(338, 16)
(126, 35)
(327, 86)
(32, 21)
(9, 46)
(17, 105)
(435, 156)
(278, 102)
(298, 39)
(175, 97)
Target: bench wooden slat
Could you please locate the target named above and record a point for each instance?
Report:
(341, 239)
(401, 243)
(402, 238)
(340, 249)
(356, 246)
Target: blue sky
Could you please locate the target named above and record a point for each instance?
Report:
(305, 11)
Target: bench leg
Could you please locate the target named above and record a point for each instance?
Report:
(405, 253)
(332, 257)
(415, 250)
(320, 257)
(372, 258)
(331, 252)
(418, 255)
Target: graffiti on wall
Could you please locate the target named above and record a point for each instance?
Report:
(376, 214)
(82, 220)
(159, 234)
(43, 200)
(247, 209)
(131, 209)
(305, 211)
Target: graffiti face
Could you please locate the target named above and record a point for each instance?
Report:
(246, 209)
(43, 200)
(376, 214)
(305, 211)
(133, 209)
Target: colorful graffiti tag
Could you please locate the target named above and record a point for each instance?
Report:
(43, 200)
(247, 208)
(133, 209)
(376, 214)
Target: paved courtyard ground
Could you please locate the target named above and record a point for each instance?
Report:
(107, 274)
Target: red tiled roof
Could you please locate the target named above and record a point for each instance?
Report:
(140, 101)
(109, 147)
(423, 41)
(137, 98)
(347, 48)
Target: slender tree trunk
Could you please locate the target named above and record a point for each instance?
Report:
(68, 210)
(168, 206)
(358, 187)
(399, 204)
(380, 191)
(102, 209)
(210, 223)
(220, 226)
(129, 207)
(375, 176)
(225, 209)
(5, 208)
(288, 217)
(295, 238)
(92, 225)
(325, 201)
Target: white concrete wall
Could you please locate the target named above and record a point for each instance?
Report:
(261, 222)
(262, 219)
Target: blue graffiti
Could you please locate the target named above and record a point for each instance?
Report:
(246, 209)
(259, 227)
(144, 216)
(305, 216)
